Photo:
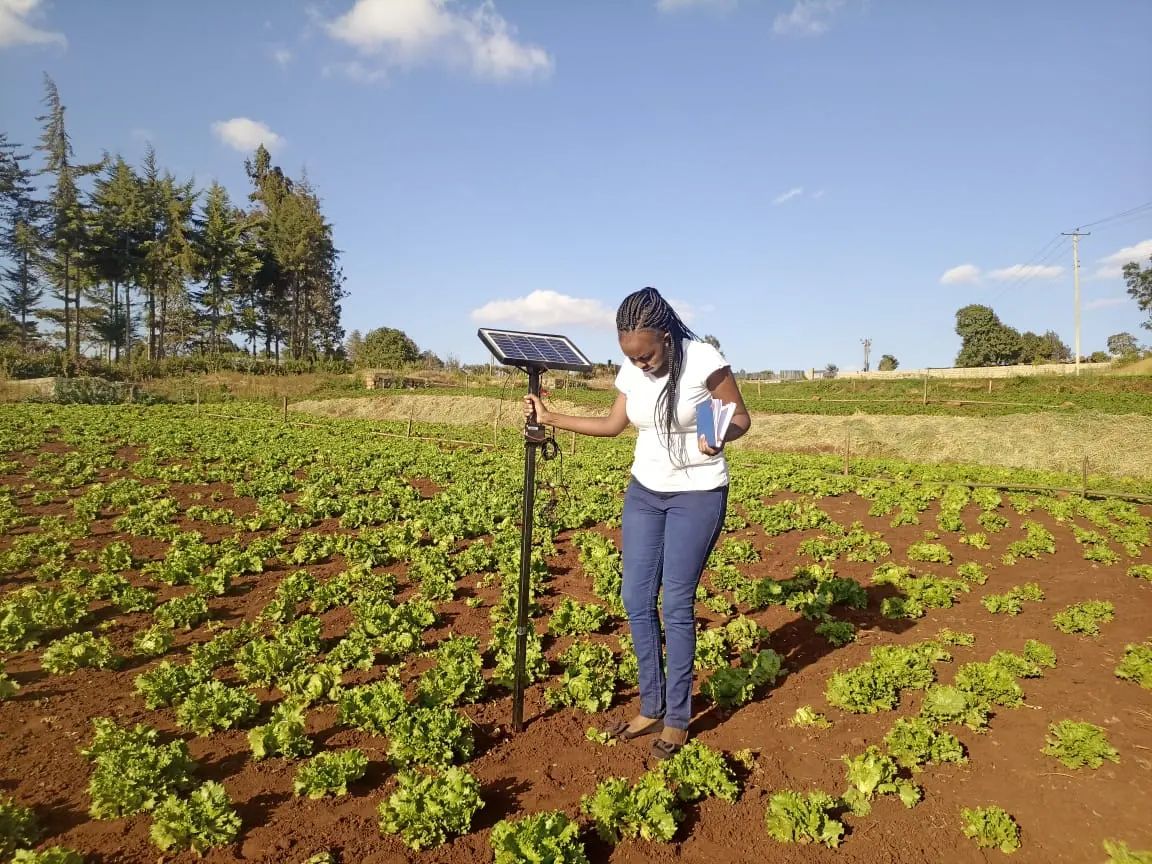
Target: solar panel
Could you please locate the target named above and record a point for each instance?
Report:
(541, 350)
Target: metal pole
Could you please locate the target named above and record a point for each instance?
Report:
(1076, 235)
(531, 442)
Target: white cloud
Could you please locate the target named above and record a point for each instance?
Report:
(678, 5)
(354, 70)
(1104, 303)
(962, 275)
(15, 28)
(1026, 271)
(282, 56)
(807, 18)
(414, 31)
(1111, 266)
(784, 197)
(546, 309)
(245, 135)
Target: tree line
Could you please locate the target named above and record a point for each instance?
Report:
(132, 264)
(988, 341)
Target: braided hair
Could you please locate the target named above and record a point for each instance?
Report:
(648, 310)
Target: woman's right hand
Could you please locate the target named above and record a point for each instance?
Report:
(534, 406)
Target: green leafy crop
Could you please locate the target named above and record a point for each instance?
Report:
(83, 650)
(914, 742)
(876, 684)
(51, 855)
(621, 810)
(1079, 745)
(456, 678)
(697, 771)
(283, 735)
(589, 679)
(214, 705)
(132, 771)
(991, 828)
(1084, 618)
(1137, 664)
(18, 827)
(547, 838)
(426, 809)
(871, 774)
(795, 817)
(202, 821)
(572, 618)
(329, 773)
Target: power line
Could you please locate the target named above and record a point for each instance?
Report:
(1139, 208)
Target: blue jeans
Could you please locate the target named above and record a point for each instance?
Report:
(667, 538)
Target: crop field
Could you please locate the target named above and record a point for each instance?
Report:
(247, 640)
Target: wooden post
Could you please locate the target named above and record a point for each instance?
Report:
(285, 397)
(197, 400)
(925, 386)
(409, 427)
(758, 394)
(1084, 473)
(989, 385)
(573, 443)
(847, 453)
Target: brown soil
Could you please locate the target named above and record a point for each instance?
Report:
(1065, 815)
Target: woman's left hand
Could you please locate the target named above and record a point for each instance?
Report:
(709, 451)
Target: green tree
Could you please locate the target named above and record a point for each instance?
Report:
(65, 225)
(713, 341)
(831, 370)
(354, 346)
(1139, 280)
(168, 259)
(1122, 344)
(888, 363)
(218, 243)
(985, 340)
(21, 239)
(116, 229)
(1048, 348)
(388, 348)
(1099, 357)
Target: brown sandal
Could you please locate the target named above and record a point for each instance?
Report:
(665, 748)
(620, 729)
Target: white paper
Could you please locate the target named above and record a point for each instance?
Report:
(721, 418)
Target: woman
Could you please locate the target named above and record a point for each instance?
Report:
(675, 504)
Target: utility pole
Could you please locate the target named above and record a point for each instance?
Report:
(1076, 235)
(867, 343)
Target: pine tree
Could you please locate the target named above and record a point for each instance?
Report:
(64, 232)
(116, 231)
(21, 239)
(217, 242)
(167, 258)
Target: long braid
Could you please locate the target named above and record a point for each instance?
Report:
(648, 310)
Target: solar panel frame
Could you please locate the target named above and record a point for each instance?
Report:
(534, 350)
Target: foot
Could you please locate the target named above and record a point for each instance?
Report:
(669, 743)
(636, 727)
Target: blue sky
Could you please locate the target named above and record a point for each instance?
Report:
(797, 174)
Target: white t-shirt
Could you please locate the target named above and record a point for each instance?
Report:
(675, 465)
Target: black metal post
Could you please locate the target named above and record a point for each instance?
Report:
(533, 438)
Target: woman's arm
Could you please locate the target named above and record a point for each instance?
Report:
(722, 385)
(600, 427)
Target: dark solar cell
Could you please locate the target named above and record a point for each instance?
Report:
(518, 349)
